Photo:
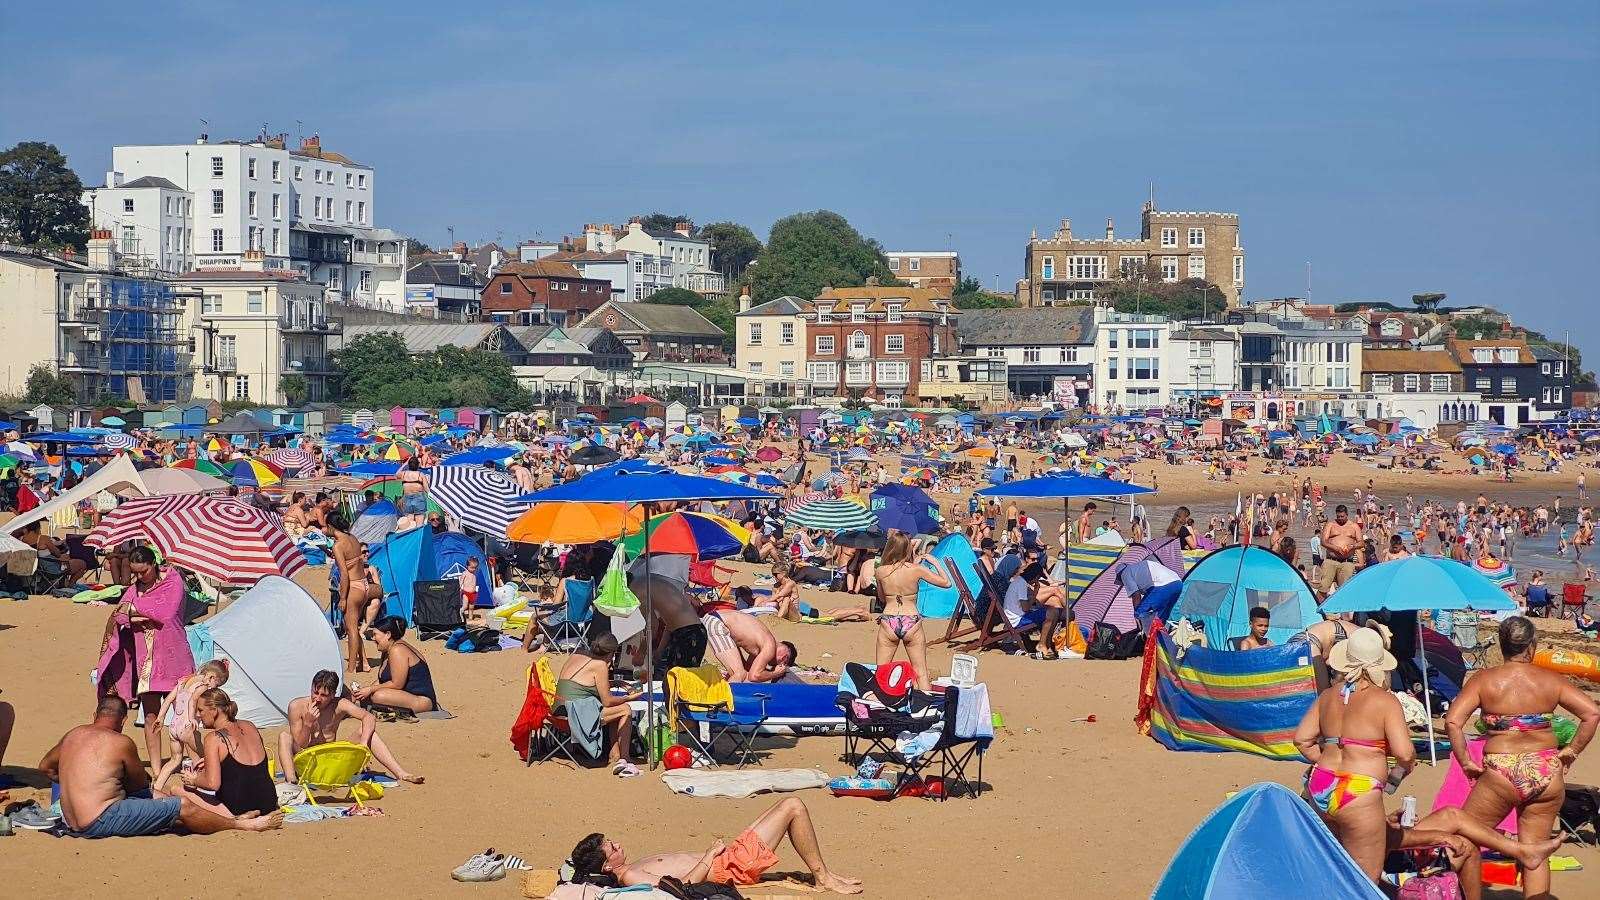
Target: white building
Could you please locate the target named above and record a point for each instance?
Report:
(1130, 354)
(149, 218)
(1319, 357)
(1048, 351)
(1202, 361)
(633, 275)
(310, 210)
(690, 256)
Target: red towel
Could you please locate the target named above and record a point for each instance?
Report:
(534, 711)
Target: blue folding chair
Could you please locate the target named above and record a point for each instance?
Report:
(568, 628)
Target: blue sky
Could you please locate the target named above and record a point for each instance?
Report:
(1397, 148)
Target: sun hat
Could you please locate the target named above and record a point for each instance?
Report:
(1362, 652)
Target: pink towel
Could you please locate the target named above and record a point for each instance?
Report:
(1457, 786)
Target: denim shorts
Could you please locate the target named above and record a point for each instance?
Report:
(134, 816)
(413, 504)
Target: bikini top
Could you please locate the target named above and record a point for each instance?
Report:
(1520, 722)
(1380, 744)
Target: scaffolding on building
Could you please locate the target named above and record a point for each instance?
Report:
(122, 338)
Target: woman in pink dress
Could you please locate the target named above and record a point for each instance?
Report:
(145, 651)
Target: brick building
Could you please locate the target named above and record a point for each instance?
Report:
(936, 269)
(542, 293)
(1171, 245)
(659, 332)
(880, 340)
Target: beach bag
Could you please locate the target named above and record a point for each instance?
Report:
(1103, 642)
(613, 597)
(1434, 882)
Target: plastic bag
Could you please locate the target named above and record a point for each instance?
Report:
(613, 597)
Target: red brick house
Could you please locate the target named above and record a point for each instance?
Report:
(880, 340)
(541, 293)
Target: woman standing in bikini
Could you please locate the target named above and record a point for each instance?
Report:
(1522, 767)
(1349, 735)
(897, 577)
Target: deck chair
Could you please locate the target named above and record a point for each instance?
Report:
(986, 613)
(1574, 599)
(333, 766)
(953, 754)
(701, 707)
(567, 629)
(1468, 638)
(555, 734)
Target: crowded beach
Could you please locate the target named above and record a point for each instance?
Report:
(762, 652)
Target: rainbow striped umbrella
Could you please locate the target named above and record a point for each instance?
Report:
(254, 472)
(393, 450)
(201, 465)
(1495, 569)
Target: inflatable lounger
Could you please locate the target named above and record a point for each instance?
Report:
(795, 709)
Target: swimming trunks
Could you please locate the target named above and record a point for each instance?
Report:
(684, 648)
(900, 626)
(1332, 791)
(133, 816)
(745, 859)
(718, 635)
(1529, 773)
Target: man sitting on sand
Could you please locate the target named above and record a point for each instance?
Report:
(741, 862)
(105, 791)
(315, 720)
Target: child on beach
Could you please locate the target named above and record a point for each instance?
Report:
(178, 712)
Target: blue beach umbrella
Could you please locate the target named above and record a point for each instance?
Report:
(478, 456)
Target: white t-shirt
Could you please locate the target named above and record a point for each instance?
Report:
(1030, 530)
(1016, 593)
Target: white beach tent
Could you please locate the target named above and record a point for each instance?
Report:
(118, 476)
(274, 637)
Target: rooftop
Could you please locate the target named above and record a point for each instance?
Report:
(427, 335)
(659, 318)
(915, 299)
(1462, 350)
(1430, 361)
(541, 268)
(1028, 326)
(783, 306)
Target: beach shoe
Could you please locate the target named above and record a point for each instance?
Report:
(625, 769)
(517, 863)
(34, 818)
(486, 866)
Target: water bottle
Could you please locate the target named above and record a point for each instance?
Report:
(1408, 811)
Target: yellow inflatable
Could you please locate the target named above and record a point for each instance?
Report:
(1569, 662)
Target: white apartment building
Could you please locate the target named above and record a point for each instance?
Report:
(633, 275)
(1130, 355)
(310, 210)
(251, 326)
(690, 256)
(1202, 361)
(1320, 357)
(149, 218)
(770, 339)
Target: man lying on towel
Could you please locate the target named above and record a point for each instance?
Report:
(597, 860)
(105, 791)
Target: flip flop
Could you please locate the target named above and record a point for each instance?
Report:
(625, 769)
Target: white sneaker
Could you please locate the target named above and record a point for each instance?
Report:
(486, 866)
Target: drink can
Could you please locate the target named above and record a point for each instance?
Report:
(1408, 811)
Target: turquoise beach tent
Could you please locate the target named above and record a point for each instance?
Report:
(1222, 588)
(404, 559)
(1263, 842)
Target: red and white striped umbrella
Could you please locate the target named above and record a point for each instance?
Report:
(221, 537)
(293, 458)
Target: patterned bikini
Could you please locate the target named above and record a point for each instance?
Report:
(1531, 772)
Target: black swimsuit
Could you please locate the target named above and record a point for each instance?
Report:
(245, 788)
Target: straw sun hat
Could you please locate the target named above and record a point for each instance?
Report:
(1363, 650)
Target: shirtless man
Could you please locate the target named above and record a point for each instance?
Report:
(315, 720)
(684, 645)
(741, 862)
(1341, 541)
(105, 791)
(745, 646)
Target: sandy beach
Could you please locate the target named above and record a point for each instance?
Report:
(1072, 808)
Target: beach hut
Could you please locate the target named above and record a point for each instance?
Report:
(465, 416)
(1222, 588)
(195, 414)
(363, 418)
(1237, 852)
(397, 417)
(677, 415)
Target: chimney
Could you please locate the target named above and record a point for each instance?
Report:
(1111, 231)
(203, 138)
(683, 228)
(102, 250)
(1064, 233)
(113, 179)
(459, 250)
(253, 261)
(312, 144)
(872, 281)
(744, 299)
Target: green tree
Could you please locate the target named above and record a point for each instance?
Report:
(46, 385)
(1470, 327)
(295, 389)
(1191, 298)
(675, 296)
(1427, 302)
(733, 247)
(41, 198)
(415, 247)
(480, 378)
(809, 251)
(660, 221)
(969, 294)
(370, 363)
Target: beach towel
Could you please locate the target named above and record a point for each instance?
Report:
(741, 782)
(1456, 787)
(1215, 701)
(149, 659)
(973, 716)
(583, 719)
(702, 685)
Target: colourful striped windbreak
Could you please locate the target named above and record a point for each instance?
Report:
(1249, 701)
(1088, 560)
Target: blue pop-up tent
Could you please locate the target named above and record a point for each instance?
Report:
(404, 559)
(1222, 588)
(1263, 842)
(451, 550)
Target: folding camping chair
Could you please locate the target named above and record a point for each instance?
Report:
(870, 725)
(952, 754)
(555, 734)
(568, 628)
(717, 715)
(1574, 598)
(329, 767)
(528, 566)
(49, 576)
(1467, 637)
(986, 612)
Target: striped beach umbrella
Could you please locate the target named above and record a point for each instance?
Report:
(201, 465)
(832, 515)
(482, 499)
(220, 537)
(254, 473)
(293, 458)
(701, 535)
(1495, 569)
(119, 441)
(795, 503)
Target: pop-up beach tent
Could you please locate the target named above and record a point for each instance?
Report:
(451, 550)
(1221, 589)
(1106, 600)
(274, 637)
(404, 559)
(1263, 842)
